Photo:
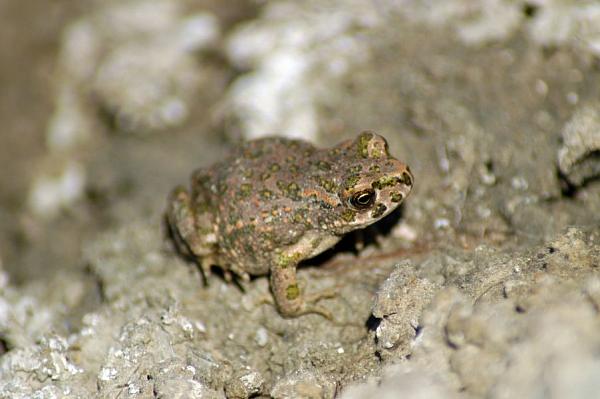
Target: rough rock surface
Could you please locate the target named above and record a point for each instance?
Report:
(485, 285)
(579, 157)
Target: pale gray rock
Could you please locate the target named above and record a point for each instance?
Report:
(304, 383)
(398, 304)
(579, 156)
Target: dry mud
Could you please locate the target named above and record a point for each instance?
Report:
(485, 284)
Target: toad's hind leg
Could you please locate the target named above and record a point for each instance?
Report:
(192, 231)
(289, 300)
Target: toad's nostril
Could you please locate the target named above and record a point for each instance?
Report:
(378, 211)
(407, 179)
(396, 196)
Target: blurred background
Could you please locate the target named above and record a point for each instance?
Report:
(106, 105)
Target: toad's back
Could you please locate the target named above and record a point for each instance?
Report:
(267, 195)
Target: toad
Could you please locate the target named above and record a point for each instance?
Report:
(274, 202)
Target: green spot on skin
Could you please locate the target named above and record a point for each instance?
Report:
(328, 185)
(231, 219)
(245, 190)
(363, 144)
(284, 260)
(315, 243)
(253, 154)
(378, 211)
(202, 207)
(266, 194)
(378, 152)
(351, 181)
(274, 167)
(264, 176)
(292, 292)
(292, 190)
(355, 169)
(205, 230)
(385, 181)
(300, 216)
(348, 215)
(374, 168)
(293, 168)
(221, 187)
(267, 237)
(324, 166)
(397, 197)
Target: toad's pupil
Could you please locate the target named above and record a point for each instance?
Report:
(363, 199)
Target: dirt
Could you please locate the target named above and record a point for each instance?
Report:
(484, 284)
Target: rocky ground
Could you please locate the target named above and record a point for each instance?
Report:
(485, 284)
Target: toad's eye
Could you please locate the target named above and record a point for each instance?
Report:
(363, 199)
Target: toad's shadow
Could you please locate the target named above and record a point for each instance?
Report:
(357, 238)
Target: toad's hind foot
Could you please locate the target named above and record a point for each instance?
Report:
(325, 294)
(288, 296)
(309, 308)
(305, 307)
(310, 303)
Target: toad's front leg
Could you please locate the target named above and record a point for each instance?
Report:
(289, 300)
(192, 232)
